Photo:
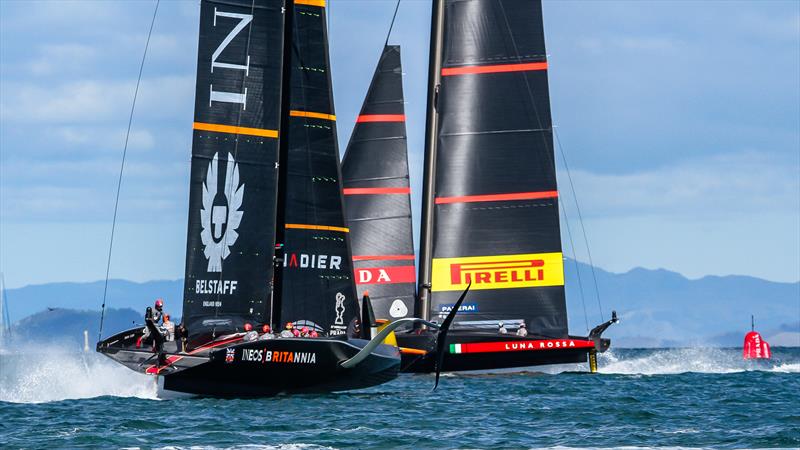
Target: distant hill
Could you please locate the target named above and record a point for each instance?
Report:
(657, 307)
(65, 326)
(23, 302)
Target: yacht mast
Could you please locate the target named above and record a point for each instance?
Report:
(429, 171)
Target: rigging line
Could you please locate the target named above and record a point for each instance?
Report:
(391, 25)
(580, 219)
(122, 169)
(575, 261)
(380, 60)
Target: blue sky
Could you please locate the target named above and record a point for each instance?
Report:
(680, 121)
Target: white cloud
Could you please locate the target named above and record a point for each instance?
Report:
(91, 101)
(716, 186)
(55, 59)
(71, 173)
(93, 138)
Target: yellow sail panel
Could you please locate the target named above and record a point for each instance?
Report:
(498, 272)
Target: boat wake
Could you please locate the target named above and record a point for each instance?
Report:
(683, 360)
(54, 374)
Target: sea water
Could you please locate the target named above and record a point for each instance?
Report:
(640, 398)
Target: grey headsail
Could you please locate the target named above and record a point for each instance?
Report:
(495, 199)
(316, 282)
(233, 177)
(378, 196)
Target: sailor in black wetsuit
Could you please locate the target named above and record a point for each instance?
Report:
(158, 312)
(152, 330)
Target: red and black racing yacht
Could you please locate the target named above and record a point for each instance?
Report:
(490, 212)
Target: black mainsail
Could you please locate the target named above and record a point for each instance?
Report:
(490, 197)
(496, 219)
(316, 284)
(378, 196)
(233, 177)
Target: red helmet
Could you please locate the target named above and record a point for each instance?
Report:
(295, 332)
(159, 303)
(314, 333)
(289, 325)
(248, 327)
(304, 330)
(265, 329)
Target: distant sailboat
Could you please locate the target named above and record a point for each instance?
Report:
(267, 240)
(755, 347)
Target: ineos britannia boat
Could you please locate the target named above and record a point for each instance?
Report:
(267, 240)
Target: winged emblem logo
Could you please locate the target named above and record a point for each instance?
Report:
(221, 213)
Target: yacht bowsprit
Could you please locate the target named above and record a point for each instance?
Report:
(267, 240)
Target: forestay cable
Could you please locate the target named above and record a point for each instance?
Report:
(122, 169)
(391, 25)
(580, 219)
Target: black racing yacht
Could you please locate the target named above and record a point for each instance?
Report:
(490, 212)
(267, 241)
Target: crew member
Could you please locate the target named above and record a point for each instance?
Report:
(522, 331)
(501, 328)
(304, 332)
(158, 312)
(169, 326)
(287, 332)
(154, 315)
(313, 334)
(267, 333)
(249, 333)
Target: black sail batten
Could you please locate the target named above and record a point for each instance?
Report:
(496, 219)
(378, 195)
(317, 277)
(233, 177)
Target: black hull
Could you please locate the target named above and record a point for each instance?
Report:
(493, 351)
(232, 368)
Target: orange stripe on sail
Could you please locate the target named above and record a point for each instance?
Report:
(219, 128)
(498, 68)
(311, 115)
(320, 3)
(497, 197)
(303, 226)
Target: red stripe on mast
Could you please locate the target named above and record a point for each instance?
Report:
(497, 197)
(498, 68)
